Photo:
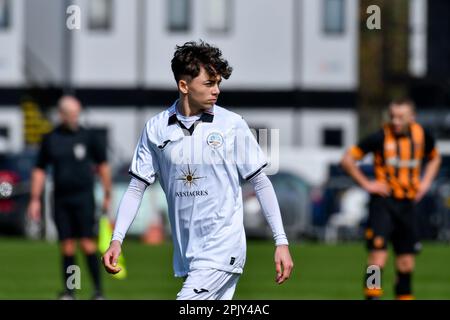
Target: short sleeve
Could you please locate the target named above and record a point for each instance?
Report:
(98, 148)
(430, 145)
(43, 157)
(144, 165)
(371, 143)
(249, 157)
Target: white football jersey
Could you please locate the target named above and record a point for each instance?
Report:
(198, 169)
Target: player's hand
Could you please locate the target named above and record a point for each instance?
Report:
(34, 210)
(423, 189)
(377, 187)
(283, 264)
(111, 257)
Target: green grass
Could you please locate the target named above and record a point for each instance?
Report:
(31, 270)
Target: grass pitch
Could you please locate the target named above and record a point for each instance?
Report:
(31, 270)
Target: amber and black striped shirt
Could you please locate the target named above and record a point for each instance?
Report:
(398, 159)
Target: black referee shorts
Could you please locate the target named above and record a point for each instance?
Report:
(74, 216)
(395, 221)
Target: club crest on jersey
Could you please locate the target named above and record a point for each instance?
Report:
(215, 140)
(79, 151)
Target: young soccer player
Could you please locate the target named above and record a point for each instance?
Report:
(399, 149)
(197, 150)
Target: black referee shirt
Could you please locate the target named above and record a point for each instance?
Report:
(72, 154)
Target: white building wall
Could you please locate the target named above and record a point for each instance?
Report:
(259, 44)
(271, 118)
(11, 118)
(12, 48)
(311, 124)
(328, 62)
(311, 164)
(418, 38)
(122, 128)
(44, 52)
(272, 45)
(147, 113)
(105, 59)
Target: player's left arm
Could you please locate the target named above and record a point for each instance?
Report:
(431, 168)
(271, 210)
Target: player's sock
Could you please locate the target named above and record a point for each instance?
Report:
(94, 269)
(403, 289)
(66, 263)
(92, 261)
(372, 293)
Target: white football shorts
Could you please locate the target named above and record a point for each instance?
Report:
(209, 284)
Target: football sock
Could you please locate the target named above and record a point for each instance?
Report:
(403, 289)
(92, 261)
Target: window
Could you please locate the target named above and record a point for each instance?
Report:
(332, 137)
(5, 14)
(5, 142)
(100, 15)
(219, 15)
(4, 132)
(334, 17)
(179, 15)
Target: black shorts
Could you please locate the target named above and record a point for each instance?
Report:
(74, 216)
(392, 220)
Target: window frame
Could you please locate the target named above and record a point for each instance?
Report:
(327, 29)
(108, 27)
(187, 26)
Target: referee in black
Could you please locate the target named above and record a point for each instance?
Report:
(75, 155)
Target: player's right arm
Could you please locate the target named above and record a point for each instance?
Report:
(128, 209)
(355, 153)
(250, 161)
(143, 171)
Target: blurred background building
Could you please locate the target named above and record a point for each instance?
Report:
(310, 68)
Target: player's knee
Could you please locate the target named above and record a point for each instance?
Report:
(378, 259)
(380, 264)
(405, 265)
(68, 247)
(407, 268)
(88, 246)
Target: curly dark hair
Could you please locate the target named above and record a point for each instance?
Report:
(189, 57)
